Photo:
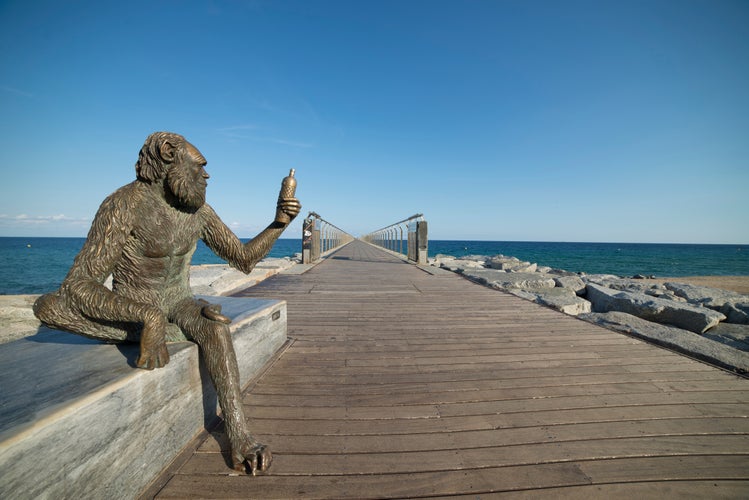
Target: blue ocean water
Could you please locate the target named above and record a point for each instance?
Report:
(622, 259)
(38, 265)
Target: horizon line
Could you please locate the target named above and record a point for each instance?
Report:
(480, 241)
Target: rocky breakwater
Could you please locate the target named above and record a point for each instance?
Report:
(17, 319)
(707, 323)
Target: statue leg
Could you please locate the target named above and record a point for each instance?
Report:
(216, 348)
(54, 311)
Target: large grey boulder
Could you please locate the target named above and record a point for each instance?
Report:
(674, 338)
(222, 279)
(734, 305)
(574, 283)
(624, 284)
(607, 280)
(561, 299)
(510, 264)
(559, 272)
(502, 280)
(736, 312)
(736, 336)
(682, 315)
(458, 266)
(474, 258)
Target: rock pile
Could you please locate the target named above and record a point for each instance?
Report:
(669, 314)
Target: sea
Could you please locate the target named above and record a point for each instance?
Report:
(38, 265)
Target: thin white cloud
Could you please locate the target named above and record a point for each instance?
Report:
(15, 91)
(244, 230)
(35, 220)
(234, 128)
(237, 132)
(286, 142)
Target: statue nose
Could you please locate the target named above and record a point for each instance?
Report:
(205, 175)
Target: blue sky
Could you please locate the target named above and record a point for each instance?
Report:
(528, 120)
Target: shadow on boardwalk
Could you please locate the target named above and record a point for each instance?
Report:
(400, 383)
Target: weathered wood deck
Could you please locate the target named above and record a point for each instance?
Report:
(400, 383)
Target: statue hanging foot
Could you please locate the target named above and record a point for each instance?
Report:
(251, 457)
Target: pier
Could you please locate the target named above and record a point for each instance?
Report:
(403, 380)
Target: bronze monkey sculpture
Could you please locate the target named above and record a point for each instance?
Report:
(144, 235)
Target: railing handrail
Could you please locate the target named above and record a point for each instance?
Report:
(417, 246)
(318, 239)
(415, 216)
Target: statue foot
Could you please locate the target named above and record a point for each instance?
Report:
(153, 352)
(251, 458)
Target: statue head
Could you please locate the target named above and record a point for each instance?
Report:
(169, 159)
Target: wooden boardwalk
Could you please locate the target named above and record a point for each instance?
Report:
(401, 383)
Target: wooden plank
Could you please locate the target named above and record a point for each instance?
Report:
(536, 479)
(436, 409)
(454, 457)
(393, 443)
(435, 396)
(322, 427)
(381, 486)
(706, 380)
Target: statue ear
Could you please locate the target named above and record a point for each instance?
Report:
(167, 151)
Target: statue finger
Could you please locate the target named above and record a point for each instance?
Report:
(163, 358)
(238, 462)
(145, 362)
(265, 458)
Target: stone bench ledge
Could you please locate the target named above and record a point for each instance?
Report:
(77, 419)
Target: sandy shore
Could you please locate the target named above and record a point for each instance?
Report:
(739, 284)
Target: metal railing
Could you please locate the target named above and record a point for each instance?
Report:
(320, 237)
(390, 237)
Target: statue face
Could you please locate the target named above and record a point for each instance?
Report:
(187, 177)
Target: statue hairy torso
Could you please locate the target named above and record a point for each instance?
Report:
(155, 261)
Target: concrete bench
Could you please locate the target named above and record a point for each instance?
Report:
(78, 420)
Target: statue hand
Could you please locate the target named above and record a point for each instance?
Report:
(153, 352)
(213, 312)
(287, 209)
(256, 456)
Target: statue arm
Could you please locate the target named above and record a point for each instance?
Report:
(226, 245)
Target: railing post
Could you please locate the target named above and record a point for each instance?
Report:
(422, 242)
(315, 242)
(307, 227)
(320, 236)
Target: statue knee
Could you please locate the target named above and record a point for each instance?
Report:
(48, 308)
(204, 331)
